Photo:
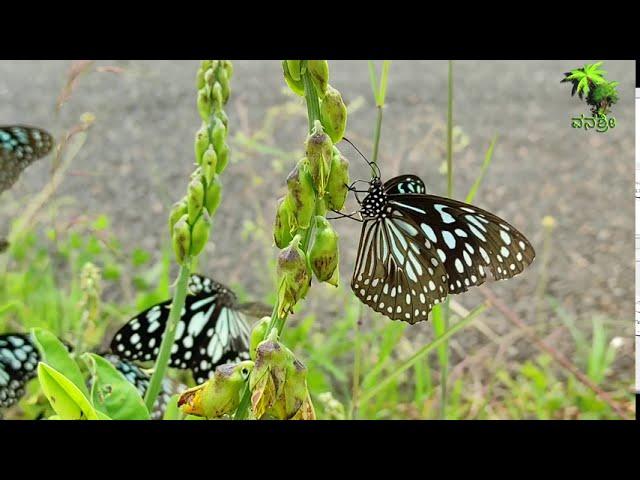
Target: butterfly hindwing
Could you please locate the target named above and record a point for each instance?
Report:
(405, 184)
(18, 362)
(19, 147)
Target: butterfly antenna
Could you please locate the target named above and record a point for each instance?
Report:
(372, 165)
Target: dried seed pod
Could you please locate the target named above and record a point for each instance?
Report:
(282, 234)
(338, 181)
(294, 275)
(333, 112)
(301, 194)
(319, 150)
(319, 72)
(220, 395)
(324, 256)
(296, 86)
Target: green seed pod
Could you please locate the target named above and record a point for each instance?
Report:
(177, 211)
(301, 194)
(221, 75)
(214, 195)
(181, 239)
(294, 69)
(324, 254)
(205, 65)
(216, 97)
(282, 228)
(319, 71)
(257, 335)
(218, 133)
(200, 83)
(338, 181)
(201, 142)
(296, 86)
(319, 150)
(333, 112)
(209, 163)
(294, 274)
(223, 117)
(200, 233)
(195, 198)
(209, 77)
(223, 159)
(220, 395)
(204, 104)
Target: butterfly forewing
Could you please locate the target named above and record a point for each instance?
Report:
(19, 147)
(417, 248)
(18, 363)
(210, 331)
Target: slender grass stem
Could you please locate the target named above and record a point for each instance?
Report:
(376, 137)
(169, 335)
(410, 362)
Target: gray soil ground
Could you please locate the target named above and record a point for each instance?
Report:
(139, 154)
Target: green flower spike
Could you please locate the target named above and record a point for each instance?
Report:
(181, 239)
(258, 333)
(195, 198)
(201, 143)
(218, 396)
(200, 233)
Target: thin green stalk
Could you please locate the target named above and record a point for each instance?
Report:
(376, 137)
(168, 338)
(410, 362)
(357, 363)
(443, 351)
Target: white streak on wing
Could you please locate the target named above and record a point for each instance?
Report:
(409, 207)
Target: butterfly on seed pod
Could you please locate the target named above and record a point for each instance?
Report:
(416, 249)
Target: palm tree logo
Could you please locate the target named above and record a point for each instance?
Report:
(590, 84)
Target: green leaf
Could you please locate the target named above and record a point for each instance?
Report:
(172, 412)
(140, 257)
(65, 398)
(100, 223)
(112, 393)
(55, 354)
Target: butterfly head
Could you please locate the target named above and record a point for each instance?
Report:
(374, 203)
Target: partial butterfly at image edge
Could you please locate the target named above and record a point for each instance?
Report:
(20, 145)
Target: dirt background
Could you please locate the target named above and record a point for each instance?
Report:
(139, 153)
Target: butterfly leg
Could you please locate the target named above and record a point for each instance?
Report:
(345, 215)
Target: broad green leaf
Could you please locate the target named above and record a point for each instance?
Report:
(112, 393)
(54, 353)
(65, 398)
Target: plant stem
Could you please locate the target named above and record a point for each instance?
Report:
(169, 335)
(421, 353)
(313, 112)
(376, 136)
(444, 365)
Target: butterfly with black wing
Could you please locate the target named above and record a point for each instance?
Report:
(416, 248)
(20, 146)
(18, 362)
(212, 330)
